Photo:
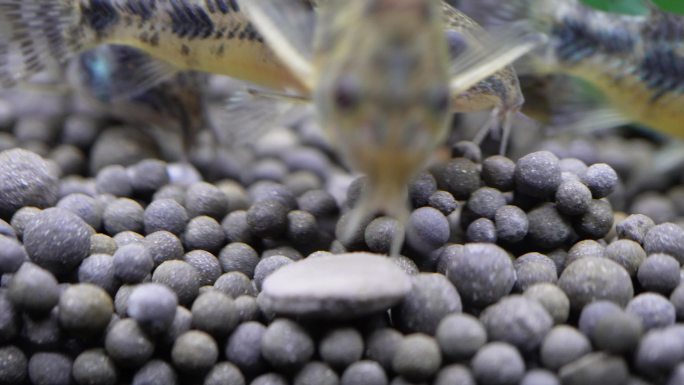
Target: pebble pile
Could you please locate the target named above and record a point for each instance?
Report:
(120, 268)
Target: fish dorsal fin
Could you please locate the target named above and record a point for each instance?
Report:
(250, 113)
(116, 72)
(487, 55)
(288, 28)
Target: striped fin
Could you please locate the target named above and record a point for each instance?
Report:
(35, 35)
(288, 28)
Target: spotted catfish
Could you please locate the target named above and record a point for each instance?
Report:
(636, 61)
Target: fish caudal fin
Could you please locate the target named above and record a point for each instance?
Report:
(35, 34)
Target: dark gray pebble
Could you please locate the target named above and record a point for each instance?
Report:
(57, 240)
(341, 347)
(302, 229)
(485, 201)
(148, 176)
(269, 190)
(33, 289)
(427, 229)
(9, 325)
(204, 233)
(21, 219)
(585, 248)
(127, 238)
(165, 214)
(316, 373)
(443, 201)
(243, 348)
(455, 374)
(364, 372)
(207, 266)
(517, 320)
(194, 352)
(573, 198)
(540, 377)
(634, 227)
(338, 286)
(666, 238)
(380, 233)
(153, 306)
(467, 149)
(247, 308)
(461, 177)
(511, 224)
(677, 299)
(548, 229)
(155, 372)
(590, 279)
(214, 313)
(206, 199)
(171, 191)
(597, 221)
(617, 333)
(132, 263)
(659, 273)
(431, 298)
(86, 207)
(629, 254)
(595, 368)
(601, 179)
(236, 228)
(181, 277)
(417, 358)
(552, 298)
(499, 172)
(481, 230)
(460, 336)
(498, 363)
(94, 367)
(240, 257)
(182, 322)
(26, 179)
(533, 268)
(50, 369)
(127, 344)
(538, 174)
(13, 365)
(594, 312)
(286, 345)
(421, 188)
(318, 203)
(270, 379)
(268, 266)
(114, 180)
(85, 308)
(381, 346)
(659, 352)
(163, 246)
(12, 255)
(224, 373)
(267, 218)
(482, 273)
(563, 345)
(102, 244)
(123, 214)
(654, 310)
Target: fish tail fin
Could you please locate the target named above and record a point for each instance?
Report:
(36, 34)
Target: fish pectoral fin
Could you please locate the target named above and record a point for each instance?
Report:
(124, 71)
(250, 113)
(487, 55)
(288, 28)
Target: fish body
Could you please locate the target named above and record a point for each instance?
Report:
(636, 61)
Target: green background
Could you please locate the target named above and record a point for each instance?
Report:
(636, 7)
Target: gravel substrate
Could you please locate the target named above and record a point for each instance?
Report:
(119, 267)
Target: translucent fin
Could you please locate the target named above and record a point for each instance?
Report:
(251, 113)
(288, 27)
(116, 72)
(497, 52)
(34, 35)
(588, 122)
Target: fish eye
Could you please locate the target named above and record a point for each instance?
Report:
(347, 93)
(439, 99)
(456, 43)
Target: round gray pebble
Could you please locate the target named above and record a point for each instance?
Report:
(204, 233)
(341, 347)
(431, 298)
(499, 172)
(194, 352)
(601, 179)
(123, 214)
(94, 367)
(316, 373)
(244, 348)
(627, 253)
(57, 240)
(533, 268)
(181, 277)
(460, 336)
(26, 179)
(165, 214)
(666, 238)
(206, 264)
(127, 344)
(85, 308)
(538, 174)
(12, 255)
(268, 266)
(498, 363)
(155, 372)
(548, 229)
(456, 374)
(13, 365)
(634, 227)
(573, 198)
(163, 246)
(98, 269)
(345, 285)
(224, 373)
(511, 224)
(590, 279)
(364, 372)
(238, 256)
(481, 230)
(427, 229)
(381, 346)
(214, 313)
(659, 273)
(33, 289)
(552, 298)
(654, 310)
(50, 369)
(482, 273)
(417, 358)
(595, 368)
(153, 306)
(563, 345)
(517, 320)
(132, 263)
(286, 345)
